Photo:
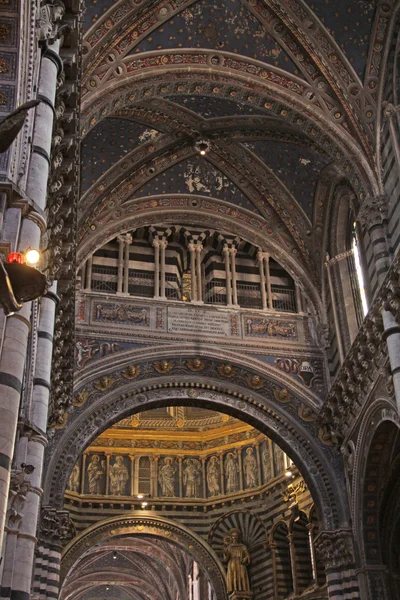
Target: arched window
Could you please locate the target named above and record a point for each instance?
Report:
(356, 274)
(282, 562)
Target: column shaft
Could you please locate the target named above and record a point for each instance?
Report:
(120, 264)
(163, 245)
(192, 250)
(89, 267)
(199, 249)
(233, 252)
(260, 260)
(156, 246)
(268, 281)
(227, 276)
(128, 241)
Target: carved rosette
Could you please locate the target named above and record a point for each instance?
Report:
(335, 548)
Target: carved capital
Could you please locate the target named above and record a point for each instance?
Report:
(55, 526)
(372, 212)
(335, 548)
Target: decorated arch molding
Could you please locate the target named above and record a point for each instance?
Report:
(266, 192)
(294, 26)
(153, 526)
(205, 211)
(191, 73)
(243, 387)
(370, 462)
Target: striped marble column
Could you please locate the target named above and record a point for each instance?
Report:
(34, 449)
(55, 530)
(13, 356)
(336, 550)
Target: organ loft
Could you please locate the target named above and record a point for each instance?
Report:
(200, 292)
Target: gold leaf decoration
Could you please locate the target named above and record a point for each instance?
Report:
(163, 366)
(80, 398)
(131, 372)
(306, 413)
(104, 383)
(196, 364)
(282, 395)
(255, 382)
(226, 370)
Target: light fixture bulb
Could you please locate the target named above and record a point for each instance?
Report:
(288, 473)
(32, 256)
(140, 496)
(202, 152)
(114, 555)
(144, 504)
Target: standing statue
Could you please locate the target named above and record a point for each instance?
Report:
(266, 462)
(119, 476)
(250, 468)
(74, 479)
(191, 478)
(237, 556)
(279, 461)
(95, 472)
(231, 473)
(166, 478)
(213, 476)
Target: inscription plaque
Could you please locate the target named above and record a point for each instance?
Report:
(198, 321)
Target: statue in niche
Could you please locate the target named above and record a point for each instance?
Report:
(279, 460)
(95, 471)
(192, 478)
(237, 556)
(213, 476)
(119, 476)
(166, 478)
(74, 479)
(250, 468)
(231, 473)
(266, 462)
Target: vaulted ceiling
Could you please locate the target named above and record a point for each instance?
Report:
(285, 90)
(129, 569)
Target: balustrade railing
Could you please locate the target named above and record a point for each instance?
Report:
(104, 279)
(283, 299)
(249, 295)
(173, 287)
(215, 292)
(141, 284)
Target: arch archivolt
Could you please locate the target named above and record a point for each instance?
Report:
(107, 43)
(380, 412)
(255, 396)
(154, 527)
(169, 74)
